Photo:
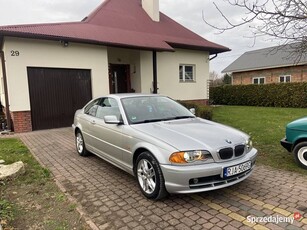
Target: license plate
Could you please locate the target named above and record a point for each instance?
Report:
(237, 169)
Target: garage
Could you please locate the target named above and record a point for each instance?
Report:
(55, 95)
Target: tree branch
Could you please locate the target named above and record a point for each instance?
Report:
(285, 20)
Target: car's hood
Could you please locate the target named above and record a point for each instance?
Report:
(193, 134)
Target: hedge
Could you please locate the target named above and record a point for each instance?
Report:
(200, 110)
(292, 95)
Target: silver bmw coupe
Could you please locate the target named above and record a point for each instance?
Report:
(163, 144)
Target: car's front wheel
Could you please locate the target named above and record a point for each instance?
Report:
(80, 145)
(300, 154)
(150, 177)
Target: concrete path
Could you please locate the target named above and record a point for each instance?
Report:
(112, 200)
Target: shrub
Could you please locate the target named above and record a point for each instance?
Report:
(269, 95)
(200, 110)
(204, 112)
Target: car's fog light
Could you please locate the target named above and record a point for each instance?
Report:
(195, 180)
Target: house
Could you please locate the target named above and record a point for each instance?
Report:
(270, 65)
(50, 70)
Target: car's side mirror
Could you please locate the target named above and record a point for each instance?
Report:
(192, 110)
(111, 119)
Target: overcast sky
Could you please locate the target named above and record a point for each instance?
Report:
(188, 13)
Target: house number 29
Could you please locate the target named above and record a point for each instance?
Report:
(15, 53)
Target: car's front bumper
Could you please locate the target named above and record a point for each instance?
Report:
(178, 178)
(287, 145)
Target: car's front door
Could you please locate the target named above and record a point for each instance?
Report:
(108, 137)
(87, 121)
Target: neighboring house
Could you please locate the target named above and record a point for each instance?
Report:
(49, 70)
(270, 65)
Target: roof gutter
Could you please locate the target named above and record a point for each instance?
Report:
(85, 41)
(260, 68)
(6, 96)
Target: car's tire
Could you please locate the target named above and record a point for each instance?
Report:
(149, 176)
(300, 154)
(80, 144)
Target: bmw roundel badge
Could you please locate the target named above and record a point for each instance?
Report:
(228, 141)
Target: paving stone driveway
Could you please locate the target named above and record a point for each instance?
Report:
(112, 200)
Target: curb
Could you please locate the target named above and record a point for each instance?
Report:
(79, 208)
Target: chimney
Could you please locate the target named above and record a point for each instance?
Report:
(152, 9)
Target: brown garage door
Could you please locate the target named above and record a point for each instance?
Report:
(55, 95)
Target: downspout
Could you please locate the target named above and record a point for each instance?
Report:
(215, 55)
(210, 59)
(155, 77)
(6, 95)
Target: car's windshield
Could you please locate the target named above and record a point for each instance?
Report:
(152, 109)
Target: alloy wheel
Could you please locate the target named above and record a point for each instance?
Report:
(79, 143)
(146, 176)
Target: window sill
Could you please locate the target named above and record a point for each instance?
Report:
(187, 81)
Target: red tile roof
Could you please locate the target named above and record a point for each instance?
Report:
(121, 23)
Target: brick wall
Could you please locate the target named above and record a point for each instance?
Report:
(200, 101)
(298, 74)
(21, 121)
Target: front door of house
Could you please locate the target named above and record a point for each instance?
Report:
(119, 78)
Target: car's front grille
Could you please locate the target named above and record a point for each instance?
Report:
(213, 181)
(239, 150)
(228, 153)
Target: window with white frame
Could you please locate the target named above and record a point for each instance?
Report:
(186, 73)
(258, 80)
(285, 78)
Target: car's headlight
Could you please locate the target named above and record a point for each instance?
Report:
(249, 145)
(190, 156)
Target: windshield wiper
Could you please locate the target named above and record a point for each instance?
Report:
(163, 119)
(148, 121)
(178, 117)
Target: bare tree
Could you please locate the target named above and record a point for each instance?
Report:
(215, 79)
(213, 75)
(285, 20)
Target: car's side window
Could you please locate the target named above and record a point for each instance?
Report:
(108, 107)
(91, 108)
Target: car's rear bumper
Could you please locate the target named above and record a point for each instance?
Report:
(287, 145)
(180, 179)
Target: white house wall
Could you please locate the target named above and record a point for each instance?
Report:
(146, 71)
(141, 68)
(168, 74)
(51, 54)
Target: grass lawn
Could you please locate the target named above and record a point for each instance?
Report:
(33, 200)
(12, 150)
(266, 126)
